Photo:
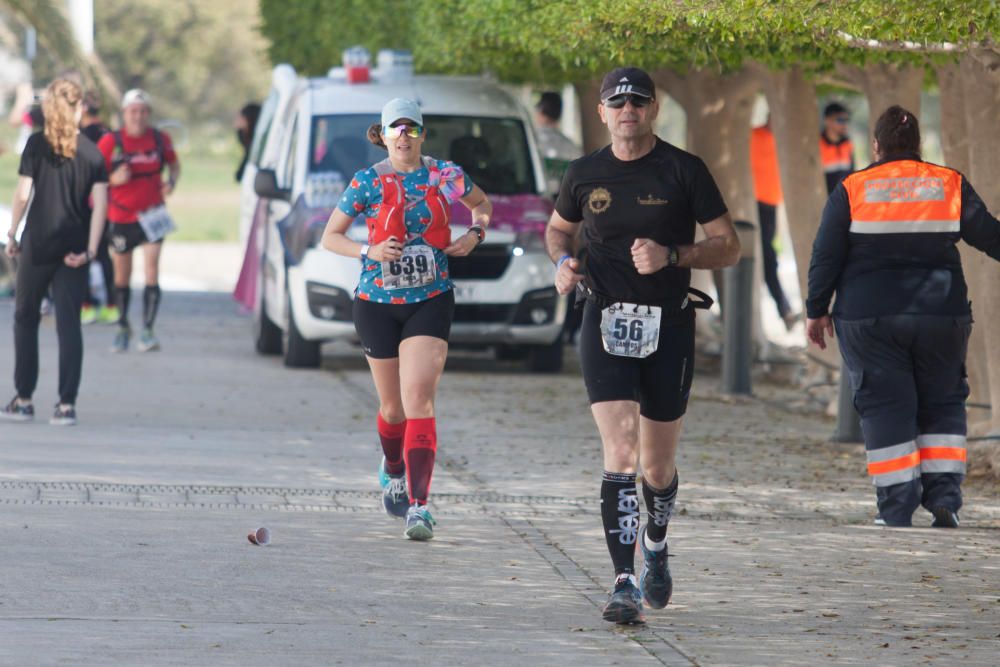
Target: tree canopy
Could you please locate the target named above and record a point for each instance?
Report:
(565, 40)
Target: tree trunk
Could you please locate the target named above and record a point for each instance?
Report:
(885, 84)
(794, 115)
(981, 83)
(955, 145)
(593, 132)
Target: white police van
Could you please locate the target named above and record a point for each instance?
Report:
(309, 142)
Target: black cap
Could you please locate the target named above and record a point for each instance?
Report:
(834, 108)
(627, 80)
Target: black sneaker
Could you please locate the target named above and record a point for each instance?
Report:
(625, 604)
(64, 416)
(944, 518)
(655, 581)
(16, 412)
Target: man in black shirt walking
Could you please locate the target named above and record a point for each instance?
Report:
(638, 200)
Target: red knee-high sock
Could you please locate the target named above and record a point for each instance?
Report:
(391, 437)
(419, 449)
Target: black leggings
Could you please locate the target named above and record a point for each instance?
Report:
(69, 286)
(107, 270)
(768, 227)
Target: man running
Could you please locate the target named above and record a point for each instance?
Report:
(638, 200)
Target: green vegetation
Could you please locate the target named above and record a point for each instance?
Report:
(205, 206)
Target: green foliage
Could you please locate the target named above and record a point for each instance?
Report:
(553, 41)
(201, 61)
(312, 34)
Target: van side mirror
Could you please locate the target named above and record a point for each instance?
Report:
(265, 184)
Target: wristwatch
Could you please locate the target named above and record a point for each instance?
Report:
(480, 233)
(673, 256)
(364, 251)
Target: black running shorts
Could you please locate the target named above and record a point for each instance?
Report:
(660, 383)
(382, 326)
(126, 237)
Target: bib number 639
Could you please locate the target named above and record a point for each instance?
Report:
(415, 268)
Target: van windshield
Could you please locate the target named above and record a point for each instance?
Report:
(492, 151)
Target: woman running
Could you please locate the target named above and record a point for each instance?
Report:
(60, 238)
(404, 302)
(135, 158)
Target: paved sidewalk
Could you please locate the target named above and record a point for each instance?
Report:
(125, 537)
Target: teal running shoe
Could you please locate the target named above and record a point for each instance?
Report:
(625, 603)
(655, 581)
(419, 523)
(395, 497)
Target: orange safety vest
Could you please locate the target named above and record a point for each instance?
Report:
(836, 157)
(391, 217)
(905, 197)
(764, 164)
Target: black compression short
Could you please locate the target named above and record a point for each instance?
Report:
(382, 326)
(126, 237)
(660, 383)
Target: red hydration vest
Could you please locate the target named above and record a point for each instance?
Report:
(391, 221)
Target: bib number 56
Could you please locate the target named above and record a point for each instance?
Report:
(628, 329)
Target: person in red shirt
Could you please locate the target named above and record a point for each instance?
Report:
(767, 190)
(135, 157)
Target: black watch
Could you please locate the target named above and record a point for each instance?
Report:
(673, 256)
(480, 233)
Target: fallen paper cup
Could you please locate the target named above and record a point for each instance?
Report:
(261, 537)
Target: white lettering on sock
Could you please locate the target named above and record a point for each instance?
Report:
(628, 519)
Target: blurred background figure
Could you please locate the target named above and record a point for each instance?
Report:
(767, 190)
(246, 121)
(836, 151)
(95, 307)
(557, 149)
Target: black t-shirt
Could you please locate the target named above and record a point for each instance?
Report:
(59, 217)
(660, 196)
(94, 131)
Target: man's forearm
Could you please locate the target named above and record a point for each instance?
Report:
(557, 243)
(712, 253)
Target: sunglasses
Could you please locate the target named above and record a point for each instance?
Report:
(619, 101)
(396, 131)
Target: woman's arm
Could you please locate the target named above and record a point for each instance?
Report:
(337, 242)
(482, 211)
(97, 218)
(22, 195)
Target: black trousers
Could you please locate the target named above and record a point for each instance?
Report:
(69, 286)
(909, 382)
(107, 270)
(768, 216)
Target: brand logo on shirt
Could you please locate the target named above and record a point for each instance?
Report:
(598, 200)
(650, 200)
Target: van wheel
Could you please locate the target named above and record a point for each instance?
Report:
(546, 358)
(299, 352)
(266, 334)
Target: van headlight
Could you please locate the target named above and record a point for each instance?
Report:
(528, 242)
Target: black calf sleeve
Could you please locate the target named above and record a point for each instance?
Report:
(620, 513)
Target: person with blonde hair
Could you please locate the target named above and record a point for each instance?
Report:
(64, 170)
